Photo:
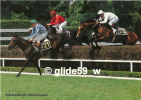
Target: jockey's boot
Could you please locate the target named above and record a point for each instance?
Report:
(114, 38)
(38, 49)
(115, 27)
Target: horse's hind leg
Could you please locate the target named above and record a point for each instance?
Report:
(92, 44)
(36, 65)
(70, 43)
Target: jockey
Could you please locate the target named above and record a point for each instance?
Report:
(57, 21)
(39, 33)
(109, 17)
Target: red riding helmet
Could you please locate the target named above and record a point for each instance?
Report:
(53, 12)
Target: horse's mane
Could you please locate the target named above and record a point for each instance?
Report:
(88, 21)
(20, 38)
(106, 25)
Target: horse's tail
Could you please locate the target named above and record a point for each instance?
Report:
(132, 38)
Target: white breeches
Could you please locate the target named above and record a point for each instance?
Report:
(113, 21)
(40, 37)
(59, 27)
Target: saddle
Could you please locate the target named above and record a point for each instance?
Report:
(45, 44)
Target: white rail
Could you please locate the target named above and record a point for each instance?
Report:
(9, 38)
(14, 30)
(131, 62)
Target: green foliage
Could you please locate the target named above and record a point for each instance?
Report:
(129, 12)
(75, 13)
(18, 16)
(62, 14)
(71, 28)
(15, 23)
(136, 16)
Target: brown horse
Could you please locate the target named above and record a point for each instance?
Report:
(104, 33)
(137, 29)
(29, 51)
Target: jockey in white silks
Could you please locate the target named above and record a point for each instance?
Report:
(109, 17)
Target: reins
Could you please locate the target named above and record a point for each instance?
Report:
(95, 25)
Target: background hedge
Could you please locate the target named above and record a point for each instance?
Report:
(22, 23)
(15, 24)
(85, 52)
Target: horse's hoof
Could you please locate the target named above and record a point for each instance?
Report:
(93, 47)
(17, 75)
(98, 47)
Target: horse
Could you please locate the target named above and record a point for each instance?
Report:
(104, 33)
(30, 53)
(137, 29)
(66, 34)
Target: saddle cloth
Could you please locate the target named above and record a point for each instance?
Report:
(46, 44)
(121, 31)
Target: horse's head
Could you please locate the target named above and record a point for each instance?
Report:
(51, 30)
(81, 30)
(84, 26)
(13, 42)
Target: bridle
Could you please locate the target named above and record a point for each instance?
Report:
(96, 25)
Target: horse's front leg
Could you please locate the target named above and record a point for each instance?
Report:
(95, 39)
(101, 38)
(36, 65)
(104, 37)
(96, 44)
(25, 64)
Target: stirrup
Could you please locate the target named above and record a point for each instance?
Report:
(37, 49)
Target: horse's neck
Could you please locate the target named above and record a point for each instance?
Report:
(106, 28)
(23, 44)
(51, 30)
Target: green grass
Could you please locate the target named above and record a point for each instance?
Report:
(69, 88)
(90, 72)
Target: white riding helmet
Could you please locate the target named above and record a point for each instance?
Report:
(100, 12)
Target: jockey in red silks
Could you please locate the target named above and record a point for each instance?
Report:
(57, 21)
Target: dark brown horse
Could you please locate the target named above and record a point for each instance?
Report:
(137, 29)
(29, 51)
(104, 33)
